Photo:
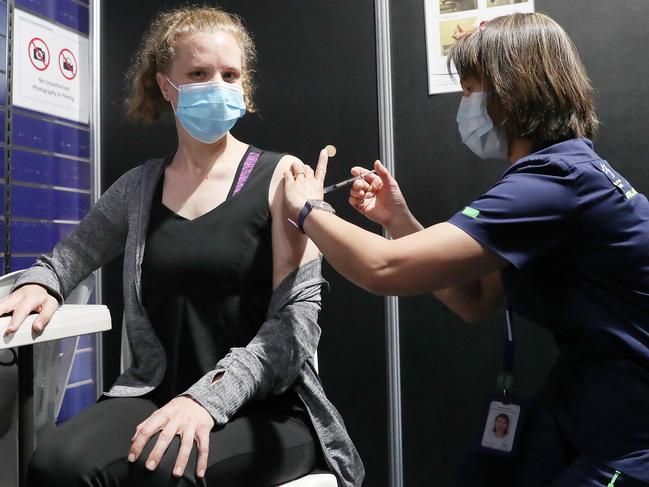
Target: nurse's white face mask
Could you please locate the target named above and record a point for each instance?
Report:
(477, 129)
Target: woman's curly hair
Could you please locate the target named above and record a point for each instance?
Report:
(157, 52)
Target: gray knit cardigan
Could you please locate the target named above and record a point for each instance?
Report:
(279, 356)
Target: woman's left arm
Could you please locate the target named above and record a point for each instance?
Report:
(290, 248)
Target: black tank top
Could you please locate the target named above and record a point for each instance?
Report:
(207, 282)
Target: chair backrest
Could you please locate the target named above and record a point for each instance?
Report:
(52, 366)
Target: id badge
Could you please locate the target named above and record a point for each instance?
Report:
(502, 426)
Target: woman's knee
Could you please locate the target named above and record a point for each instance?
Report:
(162, 475)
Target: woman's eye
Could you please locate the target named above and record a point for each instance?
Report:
(230, 76)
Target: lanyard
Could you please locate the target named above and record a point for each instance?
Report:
(506, 377)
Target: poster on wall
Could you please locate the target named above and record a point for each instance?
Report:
(50, 68)
(447, 21)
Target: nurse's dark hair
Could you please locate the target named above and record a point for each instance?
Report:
(540, 85)
(157, 52)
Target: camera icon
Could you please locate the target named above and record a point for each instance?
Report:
(39, 54)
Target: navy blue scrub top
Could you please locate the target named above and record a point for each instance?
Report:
(577, 236)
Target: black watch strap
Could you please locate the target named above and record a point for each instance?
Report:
(306, 209)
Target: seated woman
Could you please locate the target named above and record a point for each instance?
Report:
(221, 295)
(562, 238)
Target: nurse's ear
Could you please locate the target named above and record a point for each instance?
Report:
(494, 108)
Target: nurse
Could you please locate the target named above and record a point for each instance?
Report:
(562, 238)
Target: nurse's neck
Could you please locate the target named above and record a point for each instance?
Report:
(519, 147)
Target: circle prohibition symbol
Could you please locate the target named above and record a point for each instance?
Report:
(38, 53)
(68, 64)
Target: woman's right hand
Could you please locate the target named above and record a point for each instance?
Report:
(25, 300)
(378, 196)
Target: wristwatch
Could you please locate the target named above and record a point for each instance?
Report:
(310, 205)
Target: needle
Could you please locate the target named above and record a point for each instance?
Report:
(346, 182)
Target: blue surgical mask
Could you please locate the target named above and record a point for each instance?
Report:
(207, 111)
(477, 129)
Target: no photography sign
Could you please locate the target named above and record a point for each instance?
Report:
(51, 72)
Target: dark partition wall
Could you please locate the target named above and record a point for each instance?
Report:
(317, 85)
(448, 368)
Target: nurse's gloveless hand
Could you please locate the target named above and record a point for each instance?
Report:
(378, 196)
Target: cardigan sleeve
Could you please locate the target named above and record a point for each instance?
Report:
(272, 360)
(97, 239)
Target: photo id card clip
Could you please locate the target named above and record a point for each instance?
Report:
(502, 426)
(503, 417)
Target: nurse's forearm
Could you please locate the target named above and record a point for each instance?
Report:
(357, 254)
(438, 257)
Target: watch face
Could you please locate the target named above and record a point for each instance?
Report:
(322, 205)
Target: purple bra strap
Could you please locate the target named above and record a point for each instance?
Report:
(248, 166)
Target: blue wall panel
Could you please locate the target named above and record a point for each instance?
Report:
(3, 89)
(50, 117)
(86, 341)
(37, 237)
(3, 118)
(50, 136)
(18, 263)
(3, 18)
(76, 399)
(82, 367)
(48, 204)
(31, 167)
(73, 15)
(67, 12)
(3, 53)
(2, 165)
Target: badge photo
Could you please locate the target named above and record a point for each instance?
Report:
(501, 427)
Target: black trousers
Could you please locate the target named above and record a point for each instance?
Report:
(255, 449)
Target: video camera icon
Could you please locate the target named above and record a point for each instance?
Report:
(67, 65)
